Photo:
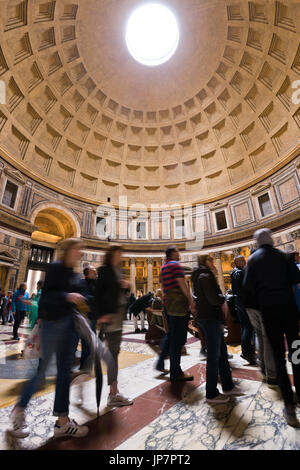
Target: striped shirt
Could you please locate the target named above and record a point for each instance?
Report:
(169, 272)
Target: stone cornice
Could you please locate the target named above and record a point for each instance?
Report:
(14, 222)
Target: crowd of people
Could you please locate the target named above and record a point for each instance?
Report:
(265, 301)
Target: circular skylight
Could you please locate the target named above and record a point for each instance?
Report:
(152, 34)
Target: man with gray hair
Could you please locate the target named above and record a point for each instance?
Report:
(271, 275)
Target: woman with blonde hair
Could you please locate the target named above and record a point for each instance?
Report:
(57, 335)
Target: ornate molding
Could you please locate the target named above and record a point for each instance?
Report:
(295, 235)
(236, 252)
(26, 245)
(258, 189)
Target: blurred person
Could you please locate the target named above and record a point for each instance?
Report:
(247, 330)
(294, 257)
(178, 303)
(88, 289)
(138, 309)
(57, 335)
(19, 308)
(271, 275)
(131, 300)
(110, 305)
(34, 305)
(210, 315)
(7, 316)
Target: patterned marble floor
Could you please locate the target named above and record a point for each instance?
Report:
(163, 416)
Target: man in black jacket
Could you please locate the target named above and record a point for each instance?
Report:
(247, 330)
(271, 275)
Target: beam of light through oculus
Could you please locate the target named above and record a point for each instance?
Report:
(152, 34)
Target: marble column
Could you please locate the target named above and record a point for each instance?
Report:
(220, 271)
(149, 274)
(7, 280)
(23, 262)
(132, 275)
(236, 252)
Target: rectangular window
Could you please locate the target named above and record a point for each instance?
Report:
(10, 194)
(265, 205)
(221, 221)
(179, 228)
(141, 230)
(101, 227)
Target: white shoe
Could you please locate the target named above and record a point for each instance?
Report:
(19, 427)
(71, 429)
(118, 400)
(218, 399)
(236, 391)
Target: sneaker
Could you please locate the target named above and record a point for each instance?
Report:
(235, 391)
(144, 330)
(71, 429)
(118, 400)
(15, 339)
(19, 427)
(137, 330)
(221, 398)
(291, 418)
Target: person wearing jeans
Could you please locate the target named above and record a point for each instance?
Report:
(210, 315)
(56, 308)
(58, 337)
(178, 334)
(177, 301)
(19, 308)
(217, 360)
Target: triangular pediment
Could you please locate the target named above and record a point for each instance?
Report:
(15, 174)
(7, 255)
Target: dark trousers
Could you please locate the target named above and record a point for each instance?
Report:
(19, 317)
(279, 320)
(164, 351)
(85, 358)
(247, 330)
(177, 336)
(217, 359)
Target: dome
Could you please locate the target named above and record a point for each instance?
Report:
(82, 116)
